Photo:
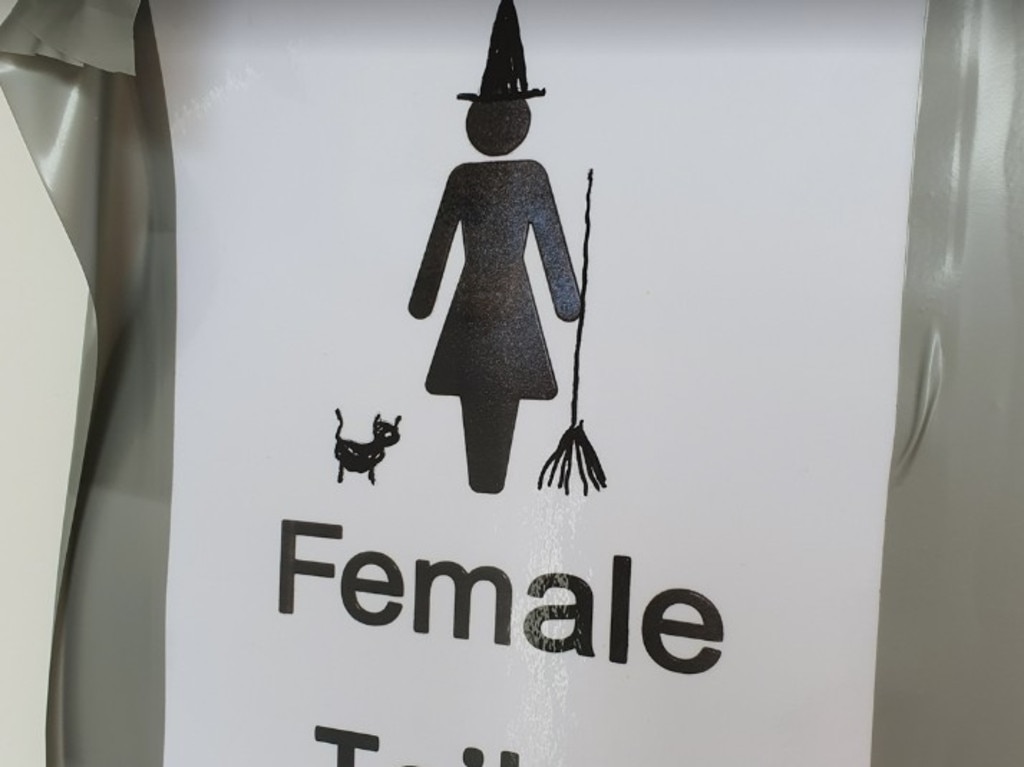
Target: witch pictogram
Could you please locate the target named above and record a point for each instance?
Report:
(492, 352)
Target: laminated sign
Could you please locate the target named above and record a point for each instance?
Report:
(536, 379)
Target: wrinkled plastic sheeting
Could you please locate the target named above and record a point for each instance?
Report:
(101, 143)
(97, 33)
(950, 681)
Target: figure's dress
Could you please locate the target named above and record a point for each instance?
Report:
(492, 346)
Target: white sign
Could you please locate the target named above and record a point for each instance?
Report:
(380, 293)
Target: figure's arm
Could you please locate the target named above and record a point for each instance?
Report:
(547, 228)
(428, 281)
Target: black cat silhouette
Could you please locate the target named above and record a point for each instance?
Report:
(363, 457)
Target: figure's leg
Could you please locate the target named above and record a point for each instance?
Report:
(489, 427)
(341, 471)
(373, 479)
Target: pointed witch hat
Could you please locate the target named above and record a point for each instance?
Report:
(505, 74)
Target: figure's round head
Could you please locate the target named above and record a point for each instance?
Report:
(496, 128)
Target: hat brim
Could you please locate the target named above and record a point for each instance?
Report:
(530, 94)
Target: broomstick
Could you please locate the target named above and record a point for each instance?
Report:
(574, 441)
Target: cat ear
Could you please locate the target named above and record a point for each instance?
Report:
(398, 420)
(376, 421)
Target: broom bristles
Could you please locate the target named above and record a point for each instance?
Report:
(574, 442)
